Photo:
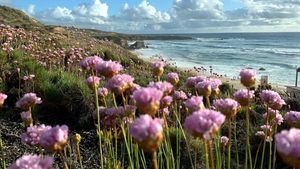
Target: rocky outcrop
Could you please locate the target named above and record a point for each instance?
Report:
(138, 45)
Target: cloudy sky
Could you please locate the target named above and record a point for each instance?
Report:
(167, 16)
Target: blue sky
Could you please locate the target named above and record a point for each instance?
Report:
(115, 5)
(166, 16)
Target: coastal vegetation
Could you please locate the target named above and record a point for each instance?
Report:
(77, 98)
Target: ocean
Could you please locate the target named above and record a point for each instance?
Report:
(276, 55)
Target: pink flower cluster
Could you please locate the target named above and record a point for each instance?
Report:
(28, 100)
(272, 99)
(109, 68)
(195, 103)
(102, 92)
(33, 134)
(274, 115)
(173, 78)
(147, 96)
(145, 127)
(287, 142)
(166, 101)
(110, 116)
(292, 116)
(243, 97)
(3, 97)
(228, 107)
(204, 123)
(247, 73)
(179, 95)
(224, 141)
(119, 83)
(93, 82)
(166, 87)
(203, 85)
(192, 81)
(33, 162)
(55, 138)
(89, 63)
(158, 64)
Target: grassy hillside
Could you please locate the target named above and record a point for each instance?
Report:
(46, 60)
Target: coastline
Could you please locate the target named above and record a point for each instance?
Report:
(196, 71)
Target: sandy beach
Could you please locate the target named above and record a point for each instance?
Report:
(200, 71)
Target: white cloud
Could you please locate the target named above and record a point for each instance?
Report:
(83, 15)
(62, 13)
(5, 2)
(144, 11)
(198, 9)
(31, 9)
(183, 16)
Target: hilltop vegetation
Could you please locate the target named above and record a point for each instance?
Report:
(50, 74)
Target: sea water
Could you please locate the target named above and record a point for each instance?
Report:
(276, 55)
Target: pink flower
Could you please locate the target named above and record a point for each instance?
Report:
(260, 134)
(33, 162)
(248, 77)
(26, 115)
(166, 87)
(102, 92)
(33, 134)
(215, 83)
(195, 103)
(119, 83)
(109, 68)
(158, 64)
(55, 138)
(3, 97)
(228, 107)
(89, 63)
(243, 97)
(93, 82)
(158, 68)
(293, 118)
(204, 123)
(145, 127)
(204, 88)
(287, 143)
(274, 115)
(224, 141)
(28, 100)
(148, 100)
(166, 101)
(272, 99)
(173, 78)
(192, 81)
(179, 95)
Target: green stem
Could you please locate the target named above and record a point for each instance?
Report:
(98, 121)
(229, 144)
(263, 155)
(187, 144)
(154, 160)
(270, 155)
(212, 160)
(79, 155)
(207, 101)
(274, 155)
(236, 146)
(256, 155)
(127, 147)
(248, 147)
(206, 155)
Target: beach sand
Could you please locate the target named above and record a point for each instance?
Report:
(197, 71)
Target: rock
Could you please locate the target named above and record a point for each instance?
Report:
(262, 69)
(137, 45)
